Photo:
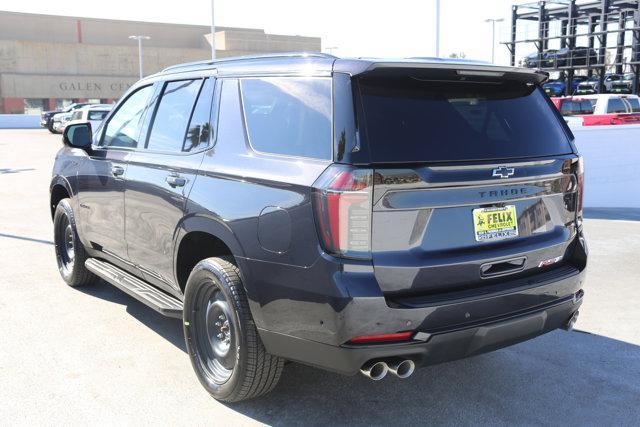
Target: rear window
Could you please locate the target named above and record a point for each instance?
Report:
(635, 104)
(573, 107)
(409, 119)
(289, 115)
(616, 105)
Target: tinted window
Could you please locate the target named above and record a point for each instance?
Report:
(200, 129)
(635, 104)
(572, 107)
(616, 105)
(123, 128)
(586, 107)
(409, 119)
(289, 115)
(172, 115)
(97, 115)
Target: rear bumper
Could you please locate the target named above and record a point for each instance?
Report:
(427, 349)
(309, 315)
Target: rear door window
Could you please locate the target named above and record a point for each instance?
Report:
(171, 118)
(200, 129)
(288, 115)
(410, 119)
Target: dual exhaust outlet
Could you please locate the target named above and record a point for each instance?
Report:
(378, 369)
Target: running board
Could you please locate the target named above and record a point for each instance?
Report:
(161, 302)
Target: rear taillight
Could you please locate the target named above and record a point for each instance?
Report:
(342, 201)
(579, 171)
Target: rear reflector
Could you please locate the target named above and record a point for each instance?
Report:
(369, 339)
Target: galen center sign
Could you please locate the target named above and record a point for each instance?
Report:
(92, 86)
(64, 86)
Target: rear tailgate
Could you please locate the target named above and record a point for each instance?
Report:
(474, 179)
(426, 238)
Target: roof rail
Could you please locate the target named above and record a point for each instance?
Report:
(209, 62)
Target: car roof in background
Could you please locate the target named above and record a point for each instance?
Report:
(97, 107)
(608, 95)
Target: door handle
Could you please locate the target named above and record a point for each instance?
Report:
(502, 268)
(117, 170)
(176, 181)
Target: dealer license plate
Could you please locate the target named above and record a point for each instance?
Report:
(495, 223)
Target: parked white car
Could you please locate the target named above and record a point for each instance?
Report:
(59, 120)
(607, 103)
(93, 114)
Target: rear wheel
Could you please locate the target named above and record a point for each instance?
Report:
(222, 340)
(70, 253)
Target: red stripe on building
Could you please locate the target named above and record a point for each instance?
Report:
(79, 30)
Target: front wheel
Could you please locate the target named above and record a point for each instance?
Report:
(70, 253)
(222, 340)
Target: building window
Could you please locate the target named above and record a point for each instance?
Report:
(93, 100)
(63, 103)
(34, 105)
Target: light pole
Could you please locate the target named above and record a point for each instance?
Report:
(437, 28)
(140, 38)
(493, 36)
(213, 34)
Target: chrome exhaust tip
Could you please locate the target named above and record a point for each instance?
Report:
(375, 370)
(401, 368)
(571, 322)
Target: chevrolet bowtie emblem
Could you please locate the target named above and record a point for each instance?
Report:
(503, 172)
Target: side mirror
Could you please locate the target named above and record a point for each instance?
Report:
(78, 136)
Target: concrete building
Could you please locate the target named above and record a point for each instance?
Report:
(49, 61)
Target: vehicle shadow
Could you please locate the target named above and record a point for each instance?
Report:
(167, 327)
(558, 379)
(568, 378)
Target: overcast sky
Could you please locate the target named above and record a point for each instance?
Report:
(397, 28)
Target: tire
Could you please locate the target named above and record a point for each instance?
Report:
(70, 254)
(221, 337)
(50, 127)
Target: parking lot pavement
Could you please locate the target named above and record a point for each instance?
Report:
(96, 355)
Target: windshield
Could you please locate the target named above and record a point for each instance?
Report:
(408, 119)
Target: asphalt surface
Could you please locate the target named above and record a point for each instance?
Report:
(80, 356)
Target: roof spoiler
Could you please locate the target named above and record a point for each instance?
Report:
(461, 69)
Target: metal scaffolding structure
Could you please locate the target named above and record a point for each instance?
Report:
(598, 21)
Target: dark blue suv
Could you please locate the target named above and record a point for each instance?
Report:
(357, 215)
